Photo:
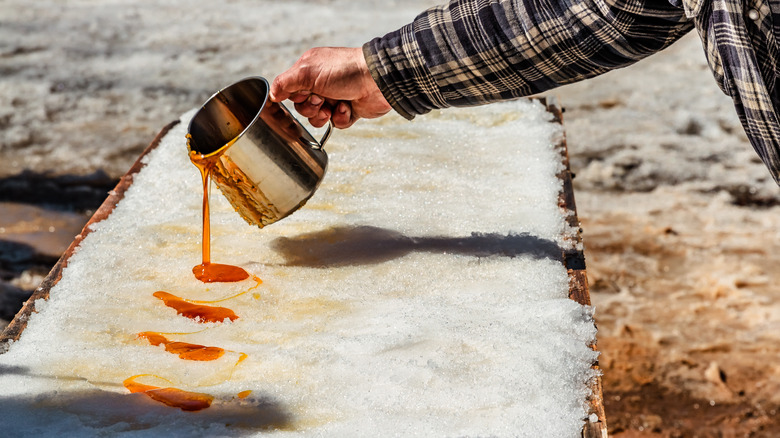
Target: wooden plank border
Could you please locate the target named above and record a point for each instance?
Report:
(574, 261)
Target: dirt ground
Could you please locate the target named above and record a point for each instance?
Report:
(687, 312)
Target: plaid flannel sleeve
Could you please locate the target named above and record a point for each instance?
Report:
(740, 39)
(471, 52)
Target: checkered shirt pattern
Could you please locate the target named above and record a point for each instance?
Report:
(473, 52)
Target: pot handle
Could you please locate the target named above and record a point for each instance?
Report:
(325, 137)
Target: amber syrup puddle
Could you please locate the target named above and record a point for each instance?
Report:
(199, 312)
(173, 397)
(184, 350)
(206, 272)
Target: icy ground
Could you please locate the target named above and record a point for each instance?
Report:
(681, 220)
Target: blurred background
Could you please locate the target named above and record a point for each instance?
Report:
(681, 220)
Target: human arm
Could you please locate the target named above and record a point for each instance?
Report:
(472, 52)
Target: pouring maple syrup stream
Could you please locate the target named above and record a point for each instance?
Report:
(208, 272)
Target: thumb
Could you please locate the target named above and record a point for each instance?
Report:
(279, 90)
(287, 84)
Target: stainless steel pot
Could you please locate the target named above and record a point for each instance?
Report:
(267, 164)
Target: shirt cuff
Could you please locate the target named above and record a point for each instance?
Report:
(399, 70)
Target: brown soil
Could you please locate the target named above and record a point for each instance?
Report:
(688, 309)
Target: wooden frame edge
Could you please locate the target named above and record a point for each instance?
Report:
(574, 261)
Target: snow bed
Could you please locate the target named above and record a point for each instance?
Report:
(422, 291)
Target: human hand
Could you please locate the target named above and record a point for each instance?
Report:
(331, 83)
